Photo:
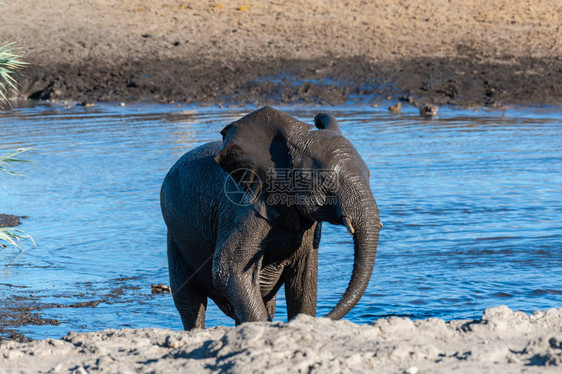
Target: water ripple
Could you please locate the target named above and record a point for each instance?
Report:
(471, 205)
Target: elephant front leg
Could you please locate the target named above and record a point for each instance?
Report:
(301, 284)
(236, 274)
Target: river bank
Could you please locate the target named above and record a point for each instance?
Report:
(501, 341)
(8, 220)
(235, 52)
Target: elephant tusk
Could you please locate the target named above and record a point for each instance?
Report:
(348, 225)
(380, 225)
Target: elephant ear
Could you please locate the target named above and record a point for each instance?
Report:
(257, 149)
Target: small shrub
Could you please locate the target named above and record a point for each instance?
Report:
(10, 62)
(7, 235)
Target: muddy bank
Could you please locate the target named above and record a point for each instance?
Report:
(17, 311)
(23, 307)
(458, 81)
(7, 220)
(464, 53)
(501, 341)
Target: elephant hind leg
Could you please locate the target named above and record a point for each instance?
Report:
(190, 300)
(270, 306)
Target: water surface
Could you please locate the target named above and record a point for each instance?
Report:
(471, 204)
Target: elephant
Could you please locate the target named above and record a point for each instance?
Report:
(244, 216)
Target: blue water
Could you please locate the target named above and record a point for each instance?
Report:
(471, 204)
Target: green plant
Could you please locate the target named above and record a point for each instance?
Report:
(13, 237)
(8, 158)
(7, 235)
(10, 62)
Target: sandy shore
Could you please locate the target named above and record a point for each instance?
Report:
(503, 341)
(466, 53)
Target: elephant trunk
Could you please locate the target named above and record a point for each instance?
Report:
(361, 217)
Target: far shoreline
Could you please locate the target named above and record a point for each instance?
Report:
(460, 83)
(464, 54)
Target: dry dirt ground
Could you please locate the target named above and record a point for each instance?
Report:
(503, 341)
(476, 52)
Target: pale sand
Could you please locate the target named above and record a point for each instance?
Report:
(503, 341)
